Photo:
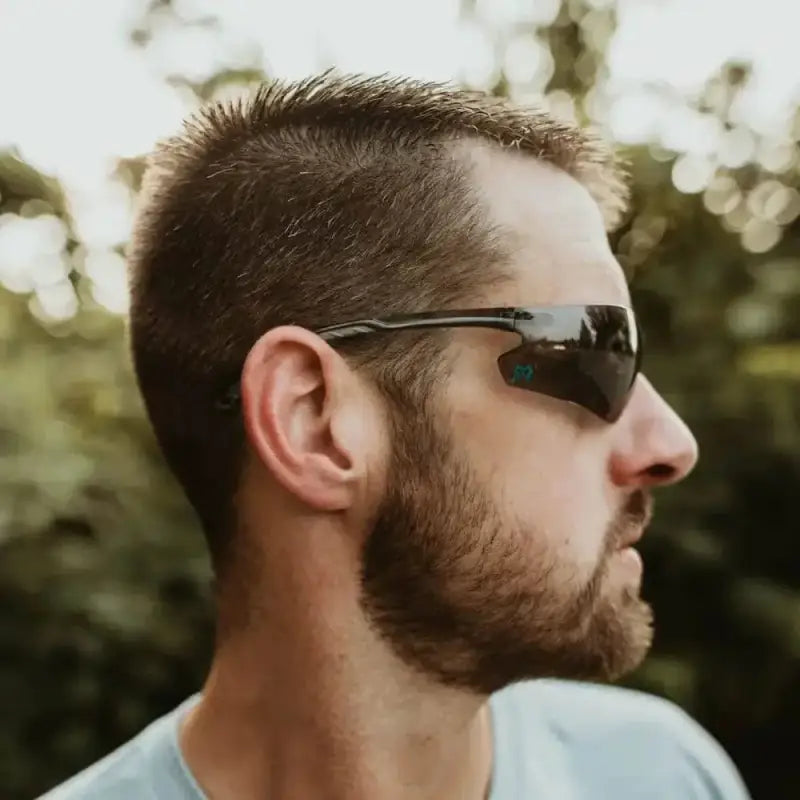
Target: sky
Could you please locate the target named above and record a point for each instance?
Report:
(76, 94)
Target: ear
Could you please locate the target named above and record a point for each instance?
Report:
(300, 404)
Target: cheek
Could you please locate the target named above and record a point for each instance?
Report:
(564, 507)
(548, 478)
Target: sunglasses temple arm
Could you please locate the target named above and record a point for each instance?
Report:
(399, 323)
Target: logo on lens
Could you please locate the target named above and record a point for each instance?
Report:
(523, 373)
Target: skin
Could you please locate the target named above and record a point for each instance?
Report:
(391, 576)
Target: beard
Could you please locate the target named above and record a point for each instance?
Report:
(472, 602)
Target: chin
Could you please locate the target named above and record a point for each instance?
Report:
(630, 638)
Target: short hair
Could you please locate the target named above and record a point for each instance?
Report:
(311, 203)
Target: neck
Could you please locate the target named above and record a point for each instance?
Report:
(305, 701)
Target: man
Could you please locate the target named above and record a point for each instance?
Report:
(388, 353)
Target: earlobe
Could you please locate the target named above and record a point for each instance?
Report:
(293, 405)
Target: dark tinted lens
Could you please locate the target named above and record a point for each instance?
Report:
(608, 377)
(590, 359)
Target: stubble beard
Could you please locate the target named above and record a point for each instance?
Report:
(471, 604)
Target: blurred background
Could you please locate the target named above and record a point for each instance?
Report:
(104, 584)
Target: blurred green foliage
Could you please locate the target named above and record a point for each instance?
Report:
(105, 620)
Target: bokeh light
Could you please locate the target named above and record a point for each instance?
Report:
(692, 173)
(528, 61)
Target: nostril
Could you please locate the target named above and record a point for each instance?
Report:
(662, 472)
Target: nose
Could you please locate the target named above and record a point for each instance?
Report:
(654, 446)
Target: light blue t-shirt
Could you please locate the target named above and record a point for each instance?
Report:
(553, 740)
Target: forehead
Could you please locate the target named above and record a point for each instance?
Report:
(560, 251)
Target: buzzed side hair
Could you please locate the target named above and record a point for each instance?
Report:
(312, 203)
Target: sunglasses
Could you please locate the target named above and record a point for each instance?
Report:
(588, 355)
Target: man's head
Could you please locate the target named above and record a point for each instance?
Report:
(487, 519)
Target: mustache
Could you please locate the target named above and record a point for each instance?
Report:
(636, 513)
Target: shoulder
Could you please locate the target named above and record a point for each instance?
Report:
(118, 775)
(148, 763)
(627, 737)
